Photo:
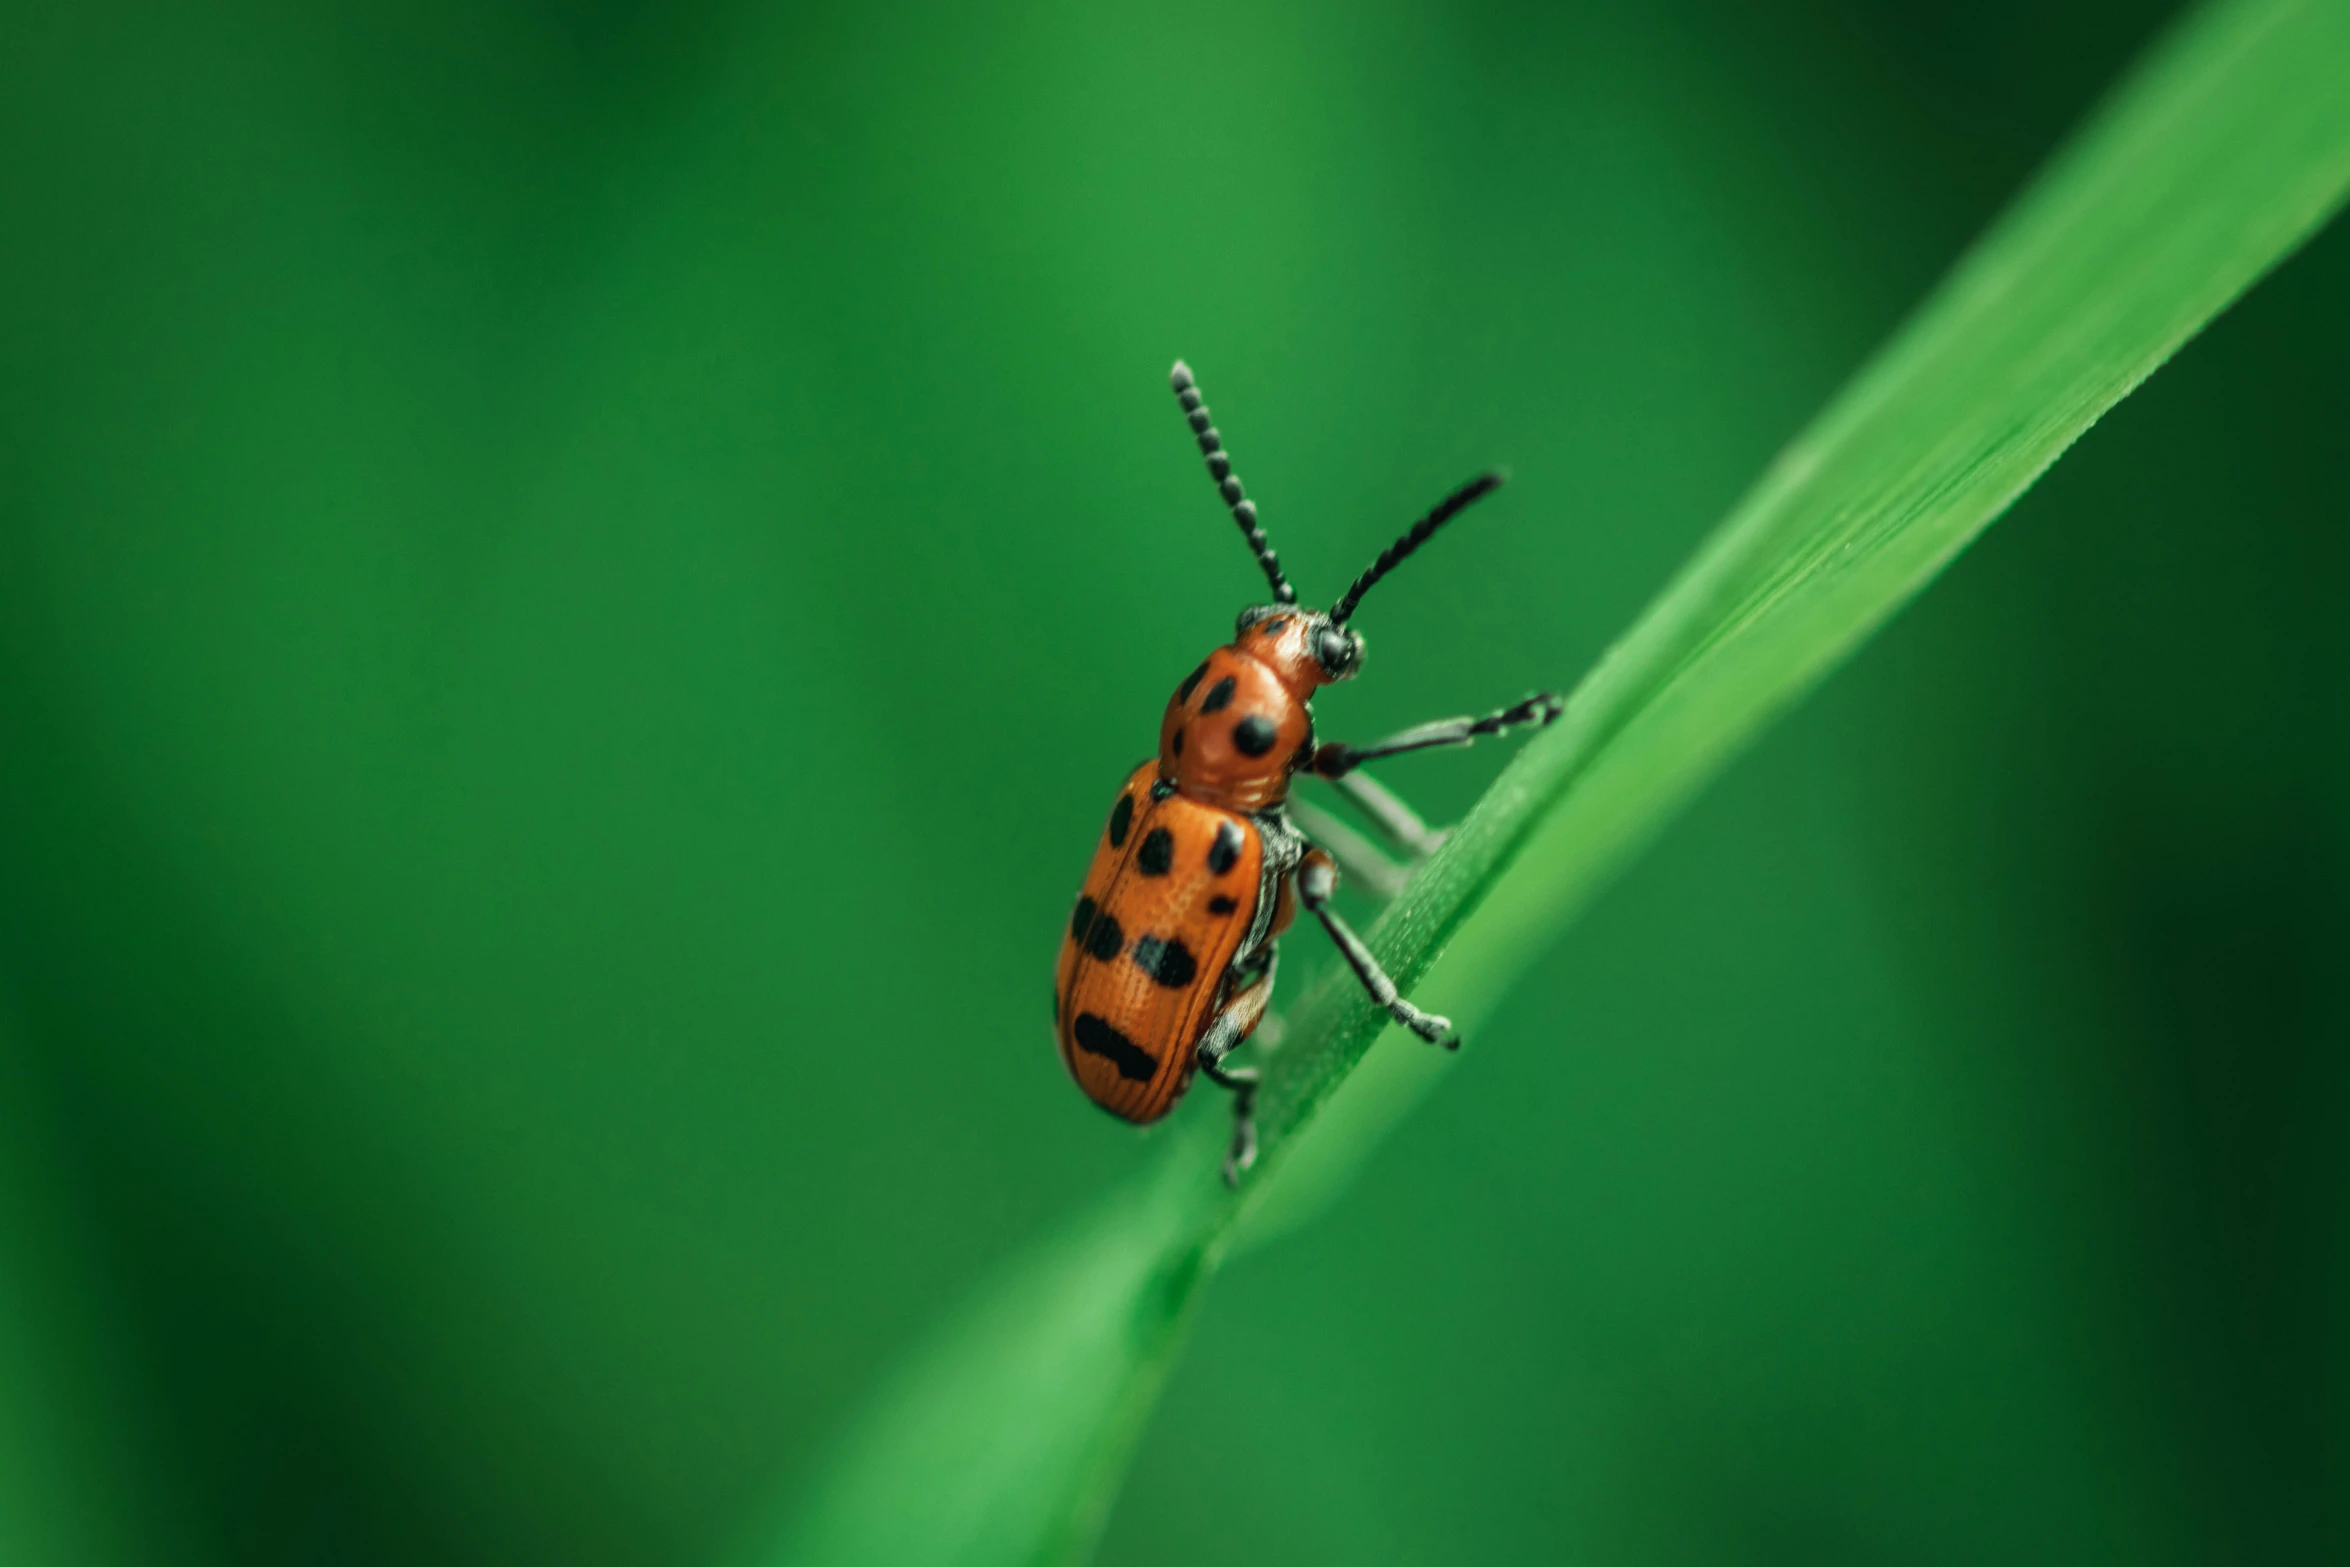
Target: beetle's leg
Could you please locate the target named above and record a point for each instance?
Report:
(1355, 856)
(1317, 878)
(1242, 1014)
(1258, 968)
(1396, 821)
(1242, 1080)
(1336, 760)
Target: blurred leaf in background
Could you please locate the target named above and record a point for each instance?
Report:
(576, 577)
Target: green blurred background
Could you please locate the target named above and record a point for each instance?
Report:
(575, 578)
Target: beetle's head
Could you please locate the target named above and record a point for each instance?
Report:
(1305, 647)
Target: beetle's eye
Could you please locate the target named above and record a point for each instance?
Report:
(1335, 650)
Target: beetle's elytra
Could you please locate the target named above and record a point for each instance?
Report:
(1168, 960)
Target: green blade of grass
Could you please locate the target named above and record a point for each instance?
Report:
(2224, 151)
(1004, 1440)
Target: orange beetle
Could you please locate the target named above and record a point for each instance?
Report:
(1169, 957)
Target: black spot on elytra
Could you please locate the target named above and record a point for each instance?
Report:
(1095, 1036)
(1082, 921)
(1157, 852)
(1108, 939)
(1254, 735)
(1191, 682)
(1169, 961)
(1219, 904)
(1121, 820)
(1219, 695)
(1225, 851)
(1178, 742)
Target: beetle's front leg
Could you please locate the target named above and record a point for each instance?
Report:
(1336, 760)
(1317, 879)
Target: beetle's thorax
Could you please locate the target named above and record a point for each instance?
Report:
(1240, 724)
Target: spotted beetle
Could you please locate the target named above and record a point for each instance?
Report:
(1169, 958)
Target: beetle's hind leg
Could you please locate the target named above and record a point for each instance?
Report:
(1239, 1018)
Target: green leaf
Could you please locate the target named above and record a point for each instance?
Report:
(2224, 151)
(1005, 1439)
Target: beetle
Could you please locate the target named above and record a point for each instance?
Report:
(1169, 958)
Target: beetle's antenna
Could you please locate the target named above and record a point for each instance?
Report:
(1244, 510)
(1394, 555)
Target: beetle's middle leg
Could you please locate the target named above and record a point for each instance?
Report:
(1253, 988)
(1358, 858)
(1317, 879)
(1397, 822)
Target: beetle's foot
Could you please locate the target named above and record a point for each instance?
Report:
(1436, 1030)
(1542, 709)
